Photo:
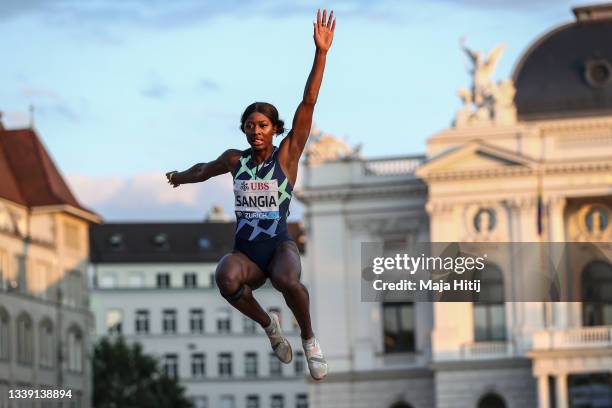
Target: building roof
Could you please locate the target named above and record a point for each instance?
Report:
(167, 242)
(568, 71)
(28, 175)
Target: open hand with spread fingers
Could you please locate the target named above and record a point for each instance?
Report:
(324, 30)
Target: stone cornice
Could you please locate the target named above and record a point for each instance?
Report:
(69, 209)
(13, 204)
(572, 125)
(381, 375)
(574, 352)
(361, 191)
(532, 127)
(479, 132)
(511, 171)
(516, 171)
(474, 364)
(578, 167)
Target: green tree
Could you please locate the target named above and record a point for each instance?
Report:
(125, 377)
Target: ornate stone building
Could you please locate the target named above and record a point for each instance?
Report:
(44, 302)
(527, 160)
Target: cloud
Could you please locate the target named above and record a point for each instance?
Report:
(164, 14)
(209, 85)
(159, 13)
(60, 109)
(147, 196)
(141, 12)
(156, 90)
(101, 21)
(16, 8)
(519, 4)
(47, 102)
(95, 190)
(17, 119)
(32, 92)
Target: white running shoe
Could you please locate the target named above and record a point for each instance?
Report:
(279, 343)
(314, 356)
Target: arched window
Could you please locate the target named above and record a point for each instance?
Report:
(4, 335)
(25, 342)
(597, 294)
(491, 401)
(46, 343)
(75, 349)
(489, 307)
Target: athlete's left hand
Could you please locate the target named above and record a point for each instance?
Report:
(171, 176)
(324, 30)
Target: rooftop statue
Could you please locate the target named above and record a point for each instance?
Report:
(324, 147)
(486, 101)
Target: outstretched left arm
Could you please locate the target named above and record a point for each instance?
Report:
(295, 141)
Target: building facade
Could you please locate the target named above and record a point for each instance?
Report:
(154, 284)
(526, 160)
(44, 301)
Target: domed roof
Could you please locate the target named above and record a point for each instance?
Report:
(568, 71)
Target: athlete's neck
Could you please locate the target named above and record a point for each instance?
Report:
(259, 156)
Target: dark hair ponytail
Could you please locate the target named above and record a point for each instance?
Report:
(266, 109)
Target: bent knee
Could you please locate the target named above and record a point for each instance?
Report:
(287, 284)
(229, 276)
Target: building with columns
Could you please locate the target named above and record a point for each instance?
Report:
(526, 160)
(44, 301)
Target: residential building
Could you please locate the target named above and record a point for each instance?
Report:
(44, 300)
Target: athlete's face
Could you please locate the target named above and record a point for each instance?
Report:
(259, 131)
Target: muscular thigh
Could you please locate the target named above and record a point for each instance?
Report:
(238, 266)
(285, 264)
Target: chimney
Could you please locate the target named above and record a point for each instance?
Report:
(593, 13)
(1, 124)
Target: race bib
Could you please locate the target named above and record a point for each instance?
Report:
(256, 199)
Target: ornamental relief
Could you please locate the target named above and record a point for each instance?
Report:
(591, 223)
(485, 222)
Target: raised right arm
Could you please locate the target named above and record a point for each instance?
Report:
(203, 171)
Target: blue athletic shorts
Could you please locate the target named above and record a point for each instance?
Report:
(261, 252)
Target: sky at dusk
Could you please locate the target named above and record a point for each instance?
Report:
(124, 91)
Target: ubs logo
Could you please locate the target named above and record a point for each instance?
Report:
(244, 186)
(260, 186)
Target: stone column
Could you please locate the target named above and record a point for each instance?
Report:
(556, 225)
(543, 392)
(562, 394)
(556, 219)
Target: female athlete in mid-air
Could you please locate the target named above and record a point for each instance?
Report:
(264, 176)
